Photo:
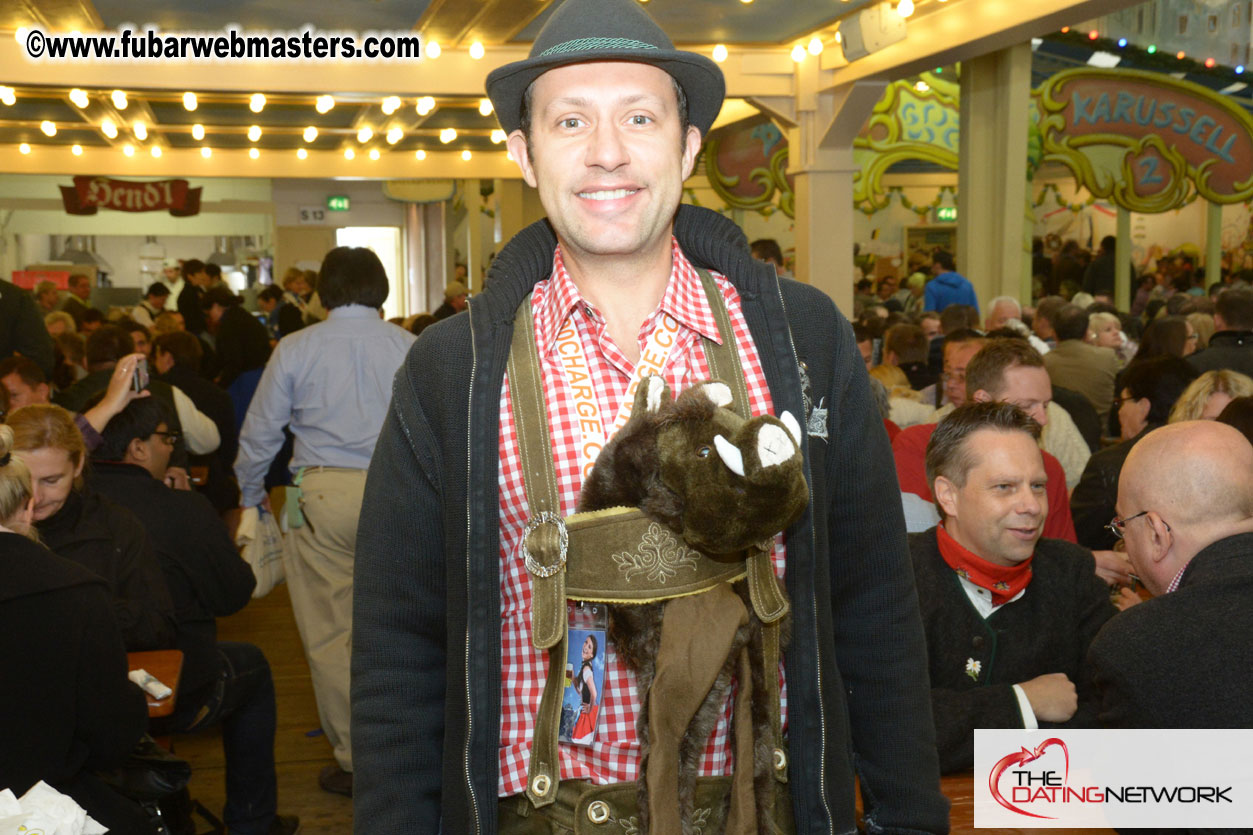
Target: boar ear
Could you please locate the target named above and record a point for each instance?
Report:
(652, 394)
(718, 393)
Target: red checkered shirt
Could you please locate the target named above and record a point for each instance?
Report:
(614, 757)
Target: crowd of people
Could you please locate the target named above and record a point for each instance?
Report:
(1047, 430)
(121, 485)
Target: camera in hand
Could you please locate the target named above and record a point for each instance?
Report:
(140, 381)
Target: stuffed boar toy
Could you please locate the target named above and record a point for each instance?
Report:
(726, 486)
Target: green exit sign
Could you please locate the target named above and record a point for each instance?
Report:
(338, 203)
(944, 214)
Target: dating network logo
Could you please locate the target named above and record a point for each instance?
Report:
(1029, 786)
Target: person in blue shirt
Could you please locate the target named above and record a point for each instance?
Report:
(331, 383)
(948, 286)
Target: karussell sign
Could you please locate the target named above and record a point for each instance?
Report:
(90, 194)
(1146, 141)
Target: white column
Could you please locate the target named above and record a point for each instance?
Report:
(992, 176)
(1122, 261)
(820, 155)
(1213, 243)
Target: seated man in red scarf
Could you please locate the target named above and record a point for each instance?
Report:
(1008, 615)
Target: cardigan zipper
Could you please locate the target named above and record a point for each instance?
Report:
(813, 550)
(474, 350)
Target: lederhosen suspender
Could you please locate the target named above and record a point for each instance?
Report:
(559, 553)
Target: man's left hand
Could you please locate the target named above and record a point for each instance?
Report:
(177, 478)
(1112, 567)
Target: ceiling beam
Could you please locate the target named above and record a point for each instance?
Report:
(50, 15)
(958, 31)
(235, 162)
(756, 71)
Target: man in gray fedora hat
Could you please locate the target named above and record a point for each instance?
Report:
(452, 662)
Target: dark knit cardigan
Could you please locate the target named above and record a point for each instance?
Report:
(1047, 630)
(426, 605)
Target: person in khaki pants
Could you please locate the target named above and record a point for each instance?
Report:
(330, 383)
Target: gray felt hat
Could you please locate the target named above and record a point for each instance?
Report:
(607, 30)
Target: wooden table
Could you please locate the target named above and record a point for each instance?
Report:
(960, 789)
(166, 665)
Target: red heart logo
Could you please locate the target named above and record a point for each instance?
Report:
(1023, 757)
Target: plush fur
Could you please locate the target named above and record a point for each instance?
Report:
(666, 461)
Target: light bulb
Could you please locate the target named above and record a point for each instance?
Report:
(720, 53)
(311, 133)
(254, 153)
(391, 104)
(325, 103)
(447, 135)
(798, 53)
(905, 8)
(374, 154)
(140, 129)
(156, 152)
(349, 153)
(108, 128)
(206, 152)
(49, 128)
(301, 153)
(363, 135)
(78, 97)
(485, 107)
(23, 148)
(256, 103)
(419, 154)
(465, 155)
(394, 135)
(815, 46)
(197, 132)
(8, 95)
(433, 50)
(425, 105)
(128, 150)
(254, 133)
(476, 50)
(189, 101)
(77, 150)
(498, 136)
(119, 99)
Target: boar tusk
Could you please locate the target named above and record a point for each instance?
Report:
(773, 445)
(718, 393)
(656, 387)
(793, 427)
(730, 455)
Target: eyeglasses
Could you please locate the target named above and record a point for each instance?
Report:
(1118, 526)
(954, 376)
(170, 438)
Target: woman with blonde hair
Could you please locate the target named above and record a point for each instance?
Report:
(86, 528)
(1203, 324)
(1209, 394)
(69, 707)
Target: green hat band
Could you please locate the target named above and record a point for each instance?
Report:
(589, 44)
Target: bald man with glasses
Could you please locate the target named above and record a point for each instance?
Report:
(1185, 511)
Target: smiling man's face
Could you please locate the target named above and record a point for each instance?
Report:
(607, 156)
(999, 512)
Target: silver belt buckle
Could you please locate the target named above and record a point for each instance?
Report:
(541, 518)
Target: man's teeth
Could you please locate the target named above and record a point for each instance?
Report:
(616, 194)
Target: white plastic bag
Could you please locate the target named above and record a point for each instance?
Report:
(262, 544)
(43, 809)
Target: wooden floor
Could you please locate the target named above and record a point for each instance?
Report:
(300, 750)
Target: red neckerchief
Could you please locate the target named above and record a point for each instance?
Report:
(1004, 582)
